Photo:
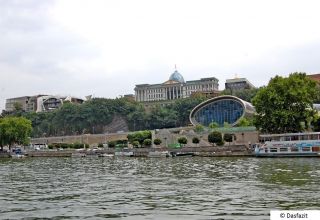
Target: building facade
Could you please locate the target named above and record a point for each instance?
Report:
(27, 103)
(175, 88)
(39, 103)
(238, 84)
(220, 110)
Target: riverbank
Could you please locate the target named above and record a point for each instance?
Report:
(225, 151)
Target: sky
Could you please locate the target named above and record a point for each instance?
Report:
(105, 47)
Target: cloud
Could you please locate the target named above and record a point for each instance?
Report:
(81, 47)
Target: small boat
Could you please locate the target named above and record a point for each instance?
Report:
(17, 154)
(124, 153)
(159, 154)
(78, 154)
(289, 145)
(182, 154)
(105, 155)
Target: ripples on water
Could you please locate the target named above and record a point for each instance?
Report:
(156, 188)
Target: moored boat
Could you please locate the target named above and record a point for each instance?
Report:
(78, 154)
(182, 154)
(17, 154)
(124, 153)
(158, 154)
(105, 155)
(289, 145)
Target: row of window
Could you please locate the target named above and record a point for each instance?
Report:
(192, 87)
(220, 112)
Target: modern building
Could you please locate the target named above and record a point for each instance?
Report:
(238, 84)
(175, 88)
(27, 103)
(220, 110)
(52, 102)
(39, 103)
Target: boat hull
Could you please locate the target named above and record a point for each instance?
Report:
(288, 155)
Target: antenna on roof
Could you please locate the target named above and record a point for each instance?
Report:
(175, 66)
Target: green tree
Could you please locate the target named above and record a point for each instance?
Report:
(213, 125)
(147, 142)
(244, 122)
(139, 136)
(135, 143)
(157, 141)
(199, 128)
(215, 137)
(160, 117)
(182, 140)
(244, 94)
(285, 104)
(14, 130)
(183, 107)
(17, 106)
(111, 144)
(226, 125)
(228, 137)
(195, 140)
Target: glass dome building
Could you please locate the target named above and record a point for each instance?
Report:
(220, 110)
(176, 76)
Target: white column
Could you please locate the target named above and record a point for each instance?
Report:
(173, 92)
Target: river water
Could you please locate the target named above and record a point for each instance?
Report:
(156, 188)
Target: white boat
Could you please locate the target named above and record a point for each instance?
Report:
(289, 145)
(158, 154)
(105, 155)
(17, 153)
(17, 156)
(124, 153)
(78, 154)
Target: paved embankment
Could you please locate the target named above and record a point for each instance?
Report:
(63, 153)
(233, 150)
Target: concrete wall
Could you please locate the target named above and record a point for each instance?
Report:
(167, 136)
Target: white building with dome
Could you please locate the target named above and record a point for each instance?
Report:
(175, 88)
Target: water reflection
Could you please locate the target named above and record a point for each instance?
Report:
(286, 171)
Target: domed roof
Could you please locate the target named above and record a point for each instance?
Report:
(176, 76)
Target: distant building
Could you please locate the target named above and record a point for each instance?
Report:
(175, 88)
(238, 84)
(52, 102)
(27, 103)
(39, 103)
(129, 96)
(315, 77)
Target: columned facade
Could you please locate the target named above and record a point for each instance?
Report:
(174, 88)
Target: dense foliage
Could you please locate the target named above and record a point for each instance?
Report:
(92, 116)
(157, 141)
(244, 94)
(140, 137)
(14, 130)
(66, 145)
(195, 140)
(182, 140)
(286, 104)
(215, 137)
(227, 137)
(147, 142)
